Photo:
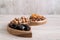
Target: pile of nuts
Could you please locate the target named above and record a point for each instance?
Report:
(36, 17)
(21, 20)
(24, 20)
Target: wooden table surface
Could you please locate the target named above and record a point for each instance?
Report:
(48, 31)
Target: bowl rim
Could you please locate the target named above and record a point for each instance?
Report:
(39, 21)
(9, 28)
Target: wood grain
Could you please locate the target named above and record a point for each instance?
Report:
(19, 32)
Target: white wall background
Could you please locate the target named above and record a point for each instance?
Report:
(30, 6)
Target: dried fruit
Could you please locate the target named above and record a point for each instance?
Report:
(20, 27)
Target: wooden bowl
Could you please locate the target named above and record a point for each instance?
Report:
(19, 32)
(34, 23)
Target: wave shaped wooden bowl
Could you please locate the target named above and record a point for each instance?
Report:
(19, 32)
(32, 23)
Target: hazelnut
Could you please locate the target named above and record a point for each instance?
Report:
(17, 19)
(13, 21)
(16, 22)
(22, 17)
